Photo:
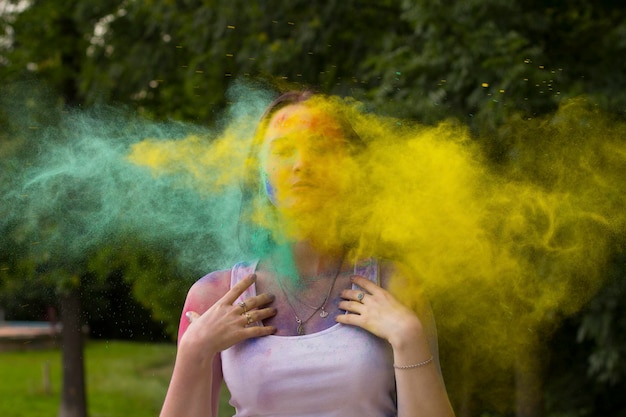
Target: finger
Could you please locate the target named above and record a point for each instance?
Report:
(248, 319)
(244, 306)
(352, 307)
(265, 313)
(191, 316)
(236, 290)
(351, 319)
(366, 284)
(255, 302)
(258, 331)
(355, 295)
(257, 315)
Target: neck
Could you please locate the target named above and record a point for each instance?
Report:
(315, 232)
(306, 264)
(312, 262)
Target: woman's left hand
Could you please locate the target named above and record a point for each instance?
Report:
(377, 311)
(374, 309)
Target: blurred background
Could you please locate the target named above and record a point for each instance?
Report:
(480, 63)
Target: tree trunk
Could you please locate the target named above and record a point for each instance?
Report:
(465, 398)
(73, 399)
(529, 401)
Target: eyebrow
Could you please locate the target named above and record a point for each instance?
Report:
(278, 140)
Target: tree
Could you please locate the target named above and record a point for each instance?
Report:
(484, 60)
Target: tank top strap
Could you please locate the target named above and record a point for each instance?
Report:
(368, 268)
(238, 272)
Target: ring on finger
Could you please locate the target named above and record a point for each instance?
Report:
(360, 297)
(249, 319)
(243, 305)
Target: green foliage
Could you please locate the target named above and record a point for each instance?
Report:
(586, 375)
(46, 39)
(603, 324)
(156, 281)
(191, 51)
(475, 60)
(488, 59)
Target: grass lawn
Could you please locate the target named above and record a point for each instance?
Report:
(123, 379)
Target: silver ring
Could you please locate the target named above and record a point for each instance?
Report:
(249, 320)
(360, 297)
(243, 306)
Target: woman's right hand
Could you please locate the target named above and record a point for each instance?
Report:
(227, 323)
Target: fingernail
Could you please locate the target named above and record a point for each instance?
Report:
(271, 296)
(253, 277)
(190, 316)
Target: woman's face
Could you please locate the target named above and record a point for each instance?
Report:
(303, 158)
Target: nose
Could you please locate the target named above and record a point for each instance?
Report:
(302, 161)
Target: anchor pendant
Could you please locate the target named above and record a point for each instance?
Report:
(300, 328)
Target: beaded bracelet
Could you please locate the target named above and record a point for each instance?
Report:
(415, 365)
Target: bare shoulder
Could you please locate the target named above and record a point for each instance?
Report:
(393, 273)
(203, 294)
(407, 286)
(400, 280)
(207, 290)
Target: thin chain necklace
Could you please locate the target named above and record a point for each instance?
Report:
(323, 313)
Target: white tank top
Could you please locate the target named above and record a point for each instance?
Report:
(342, 371)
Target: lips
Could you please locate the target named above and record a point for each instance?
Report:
(303, 185)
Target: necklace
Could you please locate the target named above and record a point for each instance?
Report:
(323, 313)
